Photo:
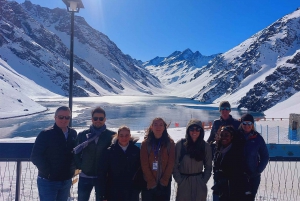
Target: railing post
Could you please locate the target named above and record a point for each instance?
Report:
(278, 134)
(18, 181)
(267, 134)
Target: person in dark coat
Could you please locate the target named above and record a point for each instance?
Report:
(120, 165)
(91, 145)
(256, 153)
(52, 155)
(193, 164)
(225, 120)
(229, 167)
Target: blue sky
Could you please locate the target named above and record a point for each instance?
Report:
(145, 29)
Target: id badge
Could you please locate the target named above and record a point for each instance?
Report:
(155, 165)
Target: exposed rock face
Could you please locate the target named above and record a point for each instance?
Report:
(35, 41)
(278, 86)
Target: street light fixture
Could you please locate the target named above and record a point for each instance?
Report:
(73, 6)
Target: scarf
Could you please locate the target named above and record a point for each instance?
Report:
(95, 133)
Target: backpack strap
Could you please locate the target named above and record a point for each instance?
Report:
(182, 150)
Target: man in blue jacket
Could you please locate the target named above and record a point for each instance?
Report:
(224, 120)
(91, 145)
(52, 155)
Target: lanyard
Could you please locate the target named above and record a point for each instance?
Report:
(156, 149)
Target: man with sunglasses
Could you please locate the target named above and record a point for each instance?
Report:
(224, 120)
(91, 145)
(52, 155)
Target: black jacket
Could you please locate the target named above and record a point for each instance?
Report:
(88, 159)
(120, 167)
(218, 123)
(52, 154)
(229, 177)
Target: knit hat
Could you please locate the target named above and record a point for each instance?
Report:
(195, 122)
(224, 104)
(247, 117)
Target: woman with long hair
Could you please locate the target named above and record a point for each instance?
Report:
(256, 153)
(229, 166)
(121, 162)
(157, 161)
(193, 164)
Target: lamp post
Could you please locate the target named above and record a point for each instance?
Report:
(73, 6)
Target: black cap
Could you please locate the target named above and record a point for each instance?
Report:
(247, 117)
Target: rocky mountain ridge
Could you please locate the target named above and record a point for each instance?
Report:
(177, 67)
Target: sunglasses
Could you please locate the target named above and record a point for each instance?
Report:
(225, 108)
(100, 118)
(195, 129)
(63, 117)
(228, 129)
(247, 123)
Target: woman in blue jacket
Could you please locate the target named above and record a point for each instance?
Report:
(256, 153)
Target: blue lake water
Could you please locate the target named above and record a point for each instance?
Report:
(133, 111)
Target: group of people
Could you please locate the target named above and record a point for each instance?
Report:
(119, 170)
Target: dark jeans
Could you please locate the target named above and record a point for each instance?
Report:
(85, 187)
(53, 190)
(215, 197)
(254, 184)
(157, 194)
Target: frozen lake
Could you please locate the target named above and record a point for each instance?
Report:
(133, 111)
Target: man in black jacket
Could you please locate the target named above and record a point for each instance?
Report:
(224, 120)
(91, 145)
(52, 155)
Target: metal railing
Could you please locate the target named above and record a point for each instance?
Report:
(279, 181)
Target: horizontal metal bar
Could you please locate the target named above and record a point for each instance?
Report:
(22, 151)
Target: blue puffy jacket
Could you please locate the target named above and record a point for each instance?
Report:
(256, 153)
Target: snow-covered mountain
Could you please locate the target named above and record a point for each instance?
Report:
(257, 74)
(177, 67)
(34, 41)
(17, 91)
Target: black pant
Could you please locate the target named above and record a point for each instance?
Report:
(254, 184)
(85, 187)
(157, 194)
